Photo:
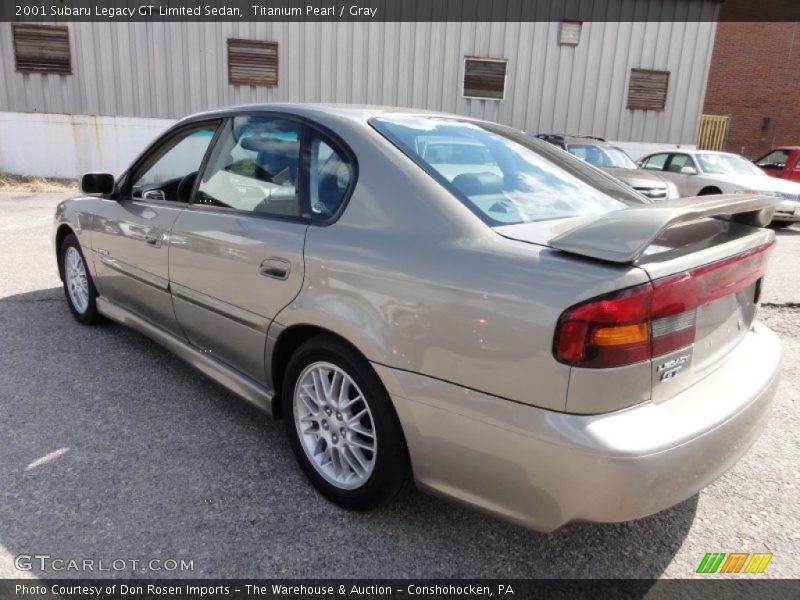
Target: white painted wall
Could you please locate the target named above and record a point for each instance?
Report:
(58, 145)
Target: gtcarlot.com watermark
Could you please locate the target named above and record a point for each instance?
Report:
(46, 562)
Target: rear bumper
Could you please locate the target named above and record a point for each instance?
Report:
(542, 469)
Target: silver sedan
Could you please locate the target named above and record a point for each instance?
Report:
(703, 172)
(436, 299)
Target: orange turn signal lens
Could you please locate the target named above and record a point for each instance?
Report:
(620, 335)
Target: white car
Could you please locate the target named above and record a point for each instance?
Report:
(704, 172)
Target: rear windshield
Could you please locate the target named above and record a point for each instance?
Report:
(502, 175)
(604, 158)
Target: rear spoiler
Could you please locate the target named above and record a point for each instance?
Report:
(622, 236)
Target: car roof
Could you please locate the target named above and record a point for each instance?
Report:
(691, 151)
(359, 112)
(567, 138)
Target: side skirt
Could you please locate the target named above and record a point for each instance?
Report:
(224, 375)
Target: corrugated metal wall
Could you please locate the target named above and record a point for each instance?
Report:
(171, 69)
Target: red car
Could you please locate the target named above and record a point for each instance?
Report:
(783, 162)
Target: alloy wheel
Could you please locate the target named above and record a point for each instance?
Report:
(76, 279)
(335, 425)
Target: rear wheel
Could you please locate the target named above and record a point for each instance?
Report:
(78, 285)
(342, 426)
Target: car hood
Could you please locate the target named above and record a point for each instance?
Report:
(759, 183)
(637, 178)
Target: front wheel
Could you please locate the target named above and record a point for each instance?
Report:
(342, 426)
(78, 285)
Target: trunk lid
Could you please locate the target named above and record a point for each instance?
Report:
(718, 243)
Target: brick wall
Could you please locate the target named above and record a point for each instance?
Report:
(755, 75)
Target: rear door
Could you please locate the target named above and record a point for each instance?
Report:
(237, 251)
(131, 234)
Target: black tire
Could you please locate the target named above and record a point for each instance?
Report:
(89, 316)
(392, 468)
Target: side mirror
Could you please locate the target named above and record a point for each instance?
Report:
(97, 183)
(687, 170)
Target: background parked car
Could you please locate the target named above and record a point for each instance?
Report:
(703, 172)
(599, 153)
(783, 162)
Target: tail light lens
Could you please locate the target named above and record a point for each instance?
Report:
(651, 319)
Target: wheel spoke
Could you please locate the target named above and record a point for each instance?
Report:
(359, 444)
(309, 403)
(316, 377)
(357, 417)
(361, 430)
(355, 465)
(350, 402)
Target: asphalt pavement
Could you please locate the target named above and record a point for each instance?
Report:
(111, 449)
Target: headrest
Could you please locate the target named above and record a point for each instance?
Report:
(476, 184)
(264, 144)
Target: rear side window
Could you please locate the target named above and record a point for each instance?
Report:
(330, 175)
(254, 167)
(502, 175)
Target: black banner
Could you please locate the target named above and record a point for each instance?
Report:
(398, 10)
(741, 587)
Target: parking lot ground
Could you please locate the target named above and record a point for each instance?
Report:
(111, 448)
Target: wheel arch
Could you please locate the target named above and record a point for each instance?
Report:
(709, 189)
(61, 233)
(286, 343)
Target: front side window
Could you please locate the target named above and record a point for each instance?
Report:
(254, 167)
(173, 173)
(774, 160)
(726, 164)
(678, 162)
(655, 162)
(504, 176)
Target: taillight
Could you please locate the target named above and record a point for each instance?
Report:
(651, 319)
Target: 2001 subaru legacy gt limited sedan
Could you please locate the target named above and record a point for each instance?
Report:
(510, 327)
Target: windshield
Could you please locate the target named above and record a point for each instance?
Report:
(726, 164)
(502, 175)
(602, 157)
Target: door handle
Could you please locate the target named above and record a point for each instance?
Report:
(277, 268)
(153, 239)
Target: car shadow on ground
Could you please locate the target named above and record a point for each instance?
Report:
(786, 231)
(114, 449)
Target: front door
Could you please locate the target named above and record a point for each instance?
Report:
(131, 234)
(236, 255)
(676, 171)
